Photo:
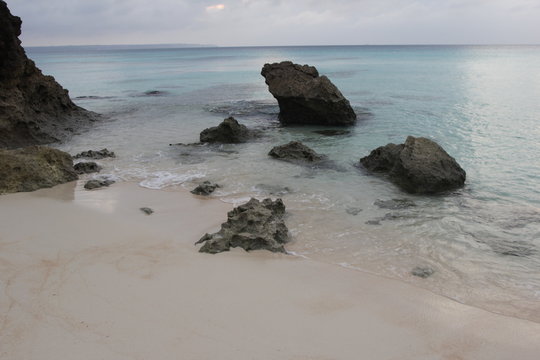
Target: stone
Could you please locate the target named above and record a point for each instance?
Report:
(419, 166)
(95, 154)
(295, 151)
(422, 271)
(254, 225)
(147, 210)
(97, 183)
(34, 108)
(86, 167)
(205, 188)
(34, 167)
(306, 98)
(228, 132)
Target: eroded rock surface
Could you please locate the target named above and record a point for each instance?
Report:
(304, 97)
(254, 225)
(295, 151)
(228, 132)
(34, 167)
(86, 167)
(34, 108)
(419, 165)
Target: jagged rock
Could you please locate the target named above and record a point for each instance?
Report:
(254, 225)
(228, 132)
(418, 166)
(422, 271)
(295, 151)
(87, 167)
(395, 204)
(34, 167)
(206, 188)
(34, 108)
(147, 210)
(95, 154)
(97, 183)
(304, 97)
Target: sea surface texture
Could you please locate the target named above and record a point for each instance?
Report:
(480, 103)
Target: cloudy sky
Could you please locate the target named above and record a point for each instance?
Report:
(278, 22)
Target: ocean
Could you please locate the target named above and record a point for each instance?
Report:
(480, 103)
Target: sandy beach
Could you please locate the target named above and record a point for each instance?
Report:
(87, 275)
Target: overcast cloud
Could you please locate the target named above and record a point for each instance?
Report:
(278, 22)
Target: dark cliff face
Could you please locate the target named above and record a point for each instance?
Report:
(34, 108)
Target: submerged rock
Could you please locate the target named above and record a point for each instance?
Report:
(95, 154)
(418, 166)
(228, 132)
(304, 97)
(254, 225)
(87, 167)
(395, 204)
(147, 210)
(34, 167)
(353, 211)
(295, 151)
(332, 132)
(206, 188)
(34, 108)
(97, 183)
(422, 271)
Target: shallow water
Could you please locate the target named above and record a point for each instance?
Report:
(479, 103)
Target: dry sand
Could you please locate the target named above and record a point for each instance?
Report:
(87, 275)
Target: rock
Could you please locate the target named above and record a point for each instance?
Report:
(147, 210)
(295, 151)
(422, 271)
(34, 167)
(34, 108)
(96, 184)
(206, 188)
(418, 166)
(395, 204)
(228, 132)
(155, 93)
(254, 225)
(373, 222)
(304, 97)
(87, 167)
(353, 211)
(332, 132)
(95, 154)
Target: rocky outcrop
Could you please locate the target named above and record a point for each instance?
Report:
(295, 151)
(98, 183)
(95, 154)
(254, 225)
(228, 132)
(34, 108)
(304, 97)
(418, 166)
(205, 188)
(86, 167)
(34, 167)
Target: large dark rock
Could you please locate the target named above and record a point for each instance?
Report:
(34, 108)
(254, 225)
(295, 151)
(228, 132)
(86, 167)
(304, 97)
(34, 167)
(418, 166)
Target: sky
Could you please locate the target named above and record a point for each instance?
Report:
(277, 22)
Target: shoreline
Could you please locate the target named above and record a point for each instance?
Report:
(88, 275)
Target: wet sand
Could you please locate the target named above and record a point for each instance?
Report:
(87, 275)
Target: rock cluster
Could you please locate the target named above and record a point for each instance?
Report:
(34, 167)
(295, 151)
(304, 97)
(34, 108)
(205, 188)
(254, 225)
(95, 154)
(228, 132)
(418, 166)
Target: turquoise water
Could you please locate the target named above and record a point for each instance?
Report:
(481, 103)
